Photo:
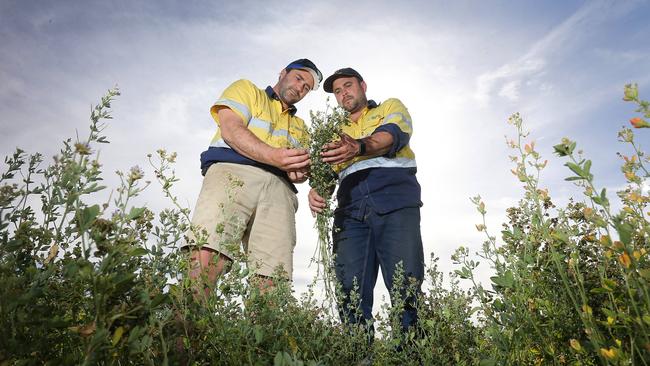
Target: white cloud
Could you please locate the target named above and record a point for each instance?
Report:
(508, 76)
(510, 90)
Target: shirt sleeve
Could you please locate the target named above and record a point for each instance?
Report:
(238, 97)
(398, 123)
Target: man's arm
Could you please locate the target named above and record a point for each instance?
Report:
(377, 144)
(242, 140)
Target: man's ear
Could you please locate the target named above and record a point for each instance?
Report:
(283, 73)
(364, 86)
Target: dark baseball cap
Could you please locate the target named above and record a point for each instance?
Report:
(344, 72)
(307, 65)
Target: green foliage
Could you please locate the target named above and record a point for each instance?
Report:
(446, 334)
(87, 281)
(565, 290)
(91, 282)
(80, 285)
(325, 128)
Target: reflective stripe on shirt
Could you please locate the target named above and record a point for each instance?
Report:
(378, 162)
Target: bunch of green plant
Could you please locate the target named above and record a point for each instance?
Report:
(325, 128)
(270, 327)
(570, 284)
(445, 333)
(80, 285)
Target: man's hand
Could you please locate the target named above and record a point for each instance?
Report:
(316, 202)
(298, 176)
(290, 160)
(341, 151)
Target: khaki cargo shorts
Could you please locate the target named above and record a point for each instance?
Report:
(242, 206)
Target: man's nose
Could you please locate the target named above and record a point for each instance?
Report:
(304, 87)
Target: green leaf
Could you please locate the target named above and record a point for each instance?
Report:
(576, 169)
(463, 273)
(282, 359)
(600, 290)
(603, 197)
(498, 305)
(609, 284)
(645, 273)
(487, 362)
(159, 299)
(505, 279)
(93, 188)
(535, 220)
(117, 335)
(123, 280)
(625, 230)
(561, 236)
(87, 216)
(560, 150)
(279, 359)
(259, 334)
(13, 245)
(135, 212)
(609, 312)
(138, 252)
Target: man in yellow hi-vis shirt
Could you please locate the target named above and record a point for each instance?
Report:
(377, 221)
(258, 142)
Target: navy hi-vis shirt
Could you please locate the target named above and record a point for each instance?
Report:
(262, 113)
(384, 183)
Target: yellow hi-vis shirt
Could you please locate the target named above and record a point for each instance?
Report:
(262, 113)
(391, 111)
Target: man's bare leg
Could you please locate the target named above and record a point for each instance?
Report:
(263, 283)
(205, 269)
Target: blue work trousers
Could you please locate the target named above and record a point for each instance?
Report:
(364, 243)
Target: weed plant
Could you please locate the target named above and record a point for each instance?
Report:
(571, 283)
(83, 282)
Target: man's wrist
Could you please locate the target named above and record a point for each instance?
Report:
(362, 147)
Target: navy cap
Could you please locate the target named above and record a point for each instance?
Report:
(344, 72)
(307, 65)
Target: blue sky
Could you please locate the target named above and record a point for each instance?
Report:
(460, 67)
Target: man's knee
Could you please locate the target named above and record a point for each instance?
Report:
(209, 261)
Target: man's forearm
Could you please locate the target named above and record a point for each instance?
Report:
(242, 140)
(377, 144)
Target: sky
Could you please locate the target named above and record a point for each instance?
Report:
(460, 67)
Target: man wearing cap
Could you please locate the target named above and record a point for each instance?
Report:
(257, 143)
(377, 221)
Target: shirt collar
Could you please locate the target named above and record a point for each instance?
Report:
(273, 95)
(371, 105)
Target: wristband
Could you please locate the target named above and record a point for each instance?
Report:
(362, 147)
